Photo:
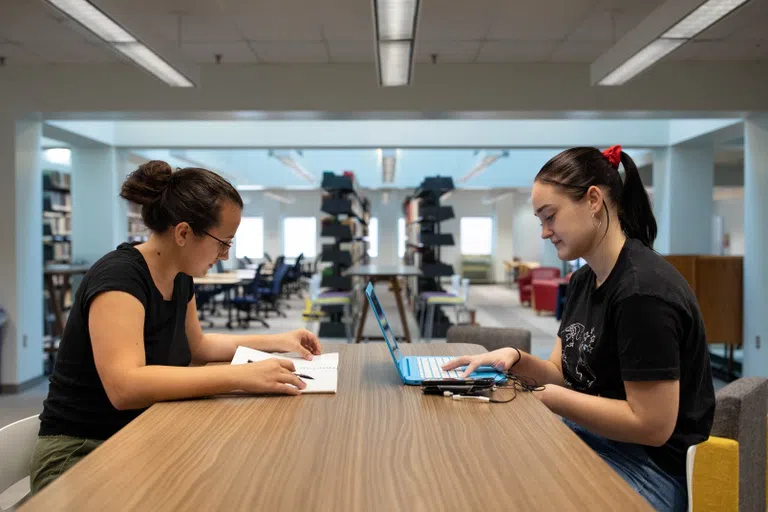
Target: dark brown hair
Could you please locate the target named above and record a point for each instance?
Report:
(576, 169)
(191, 195)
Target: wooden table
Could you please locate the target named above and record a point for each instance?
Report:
(392, 274)
(228, 281)
(376, 445)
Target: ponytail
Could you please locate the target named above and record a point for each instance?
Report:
(635, 213)
(576, 169)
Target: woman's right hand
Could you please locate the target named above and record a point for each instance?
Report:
(501, 359)
(268, 377)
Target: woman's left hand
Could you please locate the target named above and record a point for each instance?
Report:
(300, 341)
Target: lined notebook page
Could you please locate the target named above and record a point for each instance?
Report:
(323, 368)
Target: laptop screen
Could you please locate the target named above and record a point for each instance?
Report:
(386, 330)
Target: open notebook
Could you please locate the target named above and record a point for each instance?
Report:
(323, 368)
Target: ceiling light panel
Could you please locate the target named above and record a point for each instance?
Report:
(707, 14)
(395, 62)
(641, 61)
(396, 19)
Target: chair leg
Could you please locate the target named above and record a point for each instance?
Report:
(430, 323)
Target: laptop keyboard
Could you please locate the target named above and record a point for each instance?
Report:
(429, 367)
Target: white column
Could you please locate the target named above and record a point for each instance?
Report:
(21, 250)
(682, 187)
(504, 226)
(95, 203)
(660, 207)
(756, 247)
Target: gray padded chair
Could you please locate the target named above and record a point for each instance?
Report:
(740, 414)
(491, 338)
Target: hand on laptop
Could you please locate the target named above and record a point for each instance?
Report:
(501, 359)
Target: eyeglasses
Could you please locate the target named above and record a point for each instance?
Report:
(224, 246)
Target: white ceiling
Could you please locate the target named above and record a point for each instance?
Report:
(312, 31)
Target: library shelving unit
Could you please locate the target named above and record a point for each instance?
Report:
(57, 217)
(137, 231)
(57, 253)
(346, 222)
(423, 215)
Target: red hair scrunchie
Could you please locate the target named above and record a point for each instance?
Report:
(613, 154)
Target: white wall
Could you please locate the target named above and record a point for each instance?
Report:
(21, 253)
(732, 211)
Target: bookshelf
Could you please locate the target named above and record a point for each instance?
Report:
(424, 240)
(57, 252)
(57, 217)
(346, 224)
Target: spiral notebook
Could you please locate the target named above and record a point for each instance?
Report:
(324, 369)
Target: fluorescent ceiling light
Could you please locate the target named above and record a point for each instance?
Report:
(641, 61)
(707, 14)
(121, 40)
(292, 163)
(388, 169)
(395, 62)
(396, 19)
(94, 20)
(150, 61)
(250, 187)
(278, 197)
(485, 161)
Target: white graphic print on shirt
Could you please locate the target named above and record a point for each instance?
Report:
(578, 343)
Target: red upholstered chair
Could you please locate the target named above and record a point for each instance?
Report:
(525, 283)
(544, 294)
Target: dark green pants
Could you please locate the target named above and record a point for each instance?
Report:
(54, 455)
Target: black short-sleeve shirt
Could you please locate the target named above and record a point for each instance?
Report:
(642, 324)
(77, 404)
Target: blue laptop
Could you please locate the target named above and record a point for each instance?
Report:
(414, 369)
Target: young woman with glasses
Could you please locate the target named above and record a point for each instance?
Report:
(133, 337)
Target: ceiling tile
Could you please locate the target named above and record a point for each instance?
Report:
(579, 51)
(347, 20)
(447, 51)
(205, 53)
(599, 23)
(290, 52)
(35, 21)
(17, 53)
(59, 52)
(352, 51)
(277, 20)
(731, 51)
(455, 19)
(516, 51)
(535, 20)
(197, 29)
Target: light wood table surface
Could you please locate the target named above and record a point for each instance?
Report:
(376, 445)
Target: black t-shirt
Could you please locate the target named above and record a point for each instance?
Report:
(77, 404)
(642, 324)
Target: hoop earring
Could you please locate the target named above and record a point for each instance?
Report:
(593, 221)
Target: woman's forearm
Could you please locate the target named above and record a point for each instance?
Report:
(543, 371)
(141, 387)
(221, 347)
(606, 417)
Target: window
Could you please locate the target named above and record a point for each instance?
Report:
(300, 237)
(400, 237)
(249, 241)
(373, 237)
(476, 235)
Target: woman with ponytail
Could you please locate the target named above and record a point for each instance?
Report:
(133, 337)
(630, 371)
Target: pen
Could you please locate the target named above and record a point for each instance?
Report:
(304, 376)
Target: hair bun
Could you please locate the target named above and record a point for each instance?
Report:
(147, 183)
